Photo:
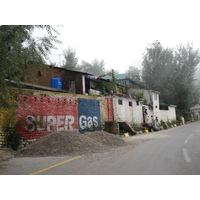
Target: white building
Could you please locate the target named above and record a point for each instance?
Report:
(196, 111)
(132, 110)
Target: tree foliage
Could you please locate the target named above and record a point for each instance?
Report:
(71, 63)
(96, 67)
(19, 51)
(70, 59)
(197, 84)
(171, 72)
(134, 74)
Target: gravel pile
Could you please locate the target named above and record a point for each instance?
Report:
(66, 143)
(106, 138)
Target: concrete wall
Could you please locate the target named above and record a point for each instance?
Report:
(41, 112)
(126, 109)
(38, 115)
(167, 115)
(196, 111)
(153, 99)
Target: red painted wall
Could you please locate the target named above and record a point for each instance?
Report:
(39, 115)
(109, 109)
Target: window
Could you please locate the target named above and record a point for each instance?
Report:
(130, 103)
(39, 74)
(164, 107)
(120, 102)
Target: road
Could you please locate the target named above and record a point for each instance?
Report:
(175, 151)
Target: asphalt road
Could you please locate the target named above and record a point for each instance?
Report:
(175, 151)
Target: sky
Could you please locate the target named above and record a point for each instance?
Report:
(116, 31)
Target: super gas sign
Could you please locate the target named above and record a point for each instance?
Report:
(37, 116)
(88, 114)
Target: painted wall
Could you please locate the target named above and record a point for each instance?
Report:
(39, 115)
(109, 109)
(88, 115)
(7, 118)
(152, 98)
(126, 109)
(167, 115)
(41, 112)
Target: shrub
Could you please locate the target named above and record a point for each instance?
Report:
(12, 136)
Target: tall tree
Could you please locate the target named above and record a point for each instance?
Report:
(197, 84)
(71, 60)
(134, 74)
(171, 72)
(20, 50)
(157, 63)
(186, 59)
(95, 68)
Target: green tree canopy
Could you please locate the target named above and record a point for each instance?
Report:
(70, 59)
(134, 74)
(19, 51)
(96, 67)
(171, 72)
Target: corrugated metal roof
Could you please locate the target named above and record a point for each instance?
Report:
(117, 76)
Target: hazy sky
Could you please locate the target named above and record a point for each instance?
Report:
(118, 31)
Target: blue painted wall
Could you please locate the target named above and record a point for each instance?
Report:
(88, 115)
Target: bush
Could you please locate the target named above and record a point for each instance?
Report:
(13, 140)
(12, 137)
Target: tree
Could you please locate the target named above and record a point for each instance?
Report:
(71, 60)
(134, 74)
(157, 62)
(95, 68)
(171, 72)
(197, 84)
(186, 59)
(19, 51)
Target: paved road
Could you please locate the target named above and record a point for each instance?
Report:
(173, 151)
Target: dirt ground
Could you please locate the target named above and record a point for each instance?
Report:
(6, 153)
(66, 143)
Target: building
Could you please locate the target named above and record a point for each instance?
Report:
(123, 79)
(70, 81)
(196, 111)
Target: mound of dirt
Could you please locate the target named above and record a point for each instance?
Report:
(106, 138)
(66, 142)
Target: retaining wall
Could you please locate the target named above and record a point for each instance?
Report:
(41, 112)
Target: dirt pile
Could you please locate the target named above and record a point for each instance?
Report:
(66, 143)
(106, 138)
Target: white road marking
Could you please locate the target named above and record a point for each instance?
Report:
(185, 153)
(185, 141)
(190, 136)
